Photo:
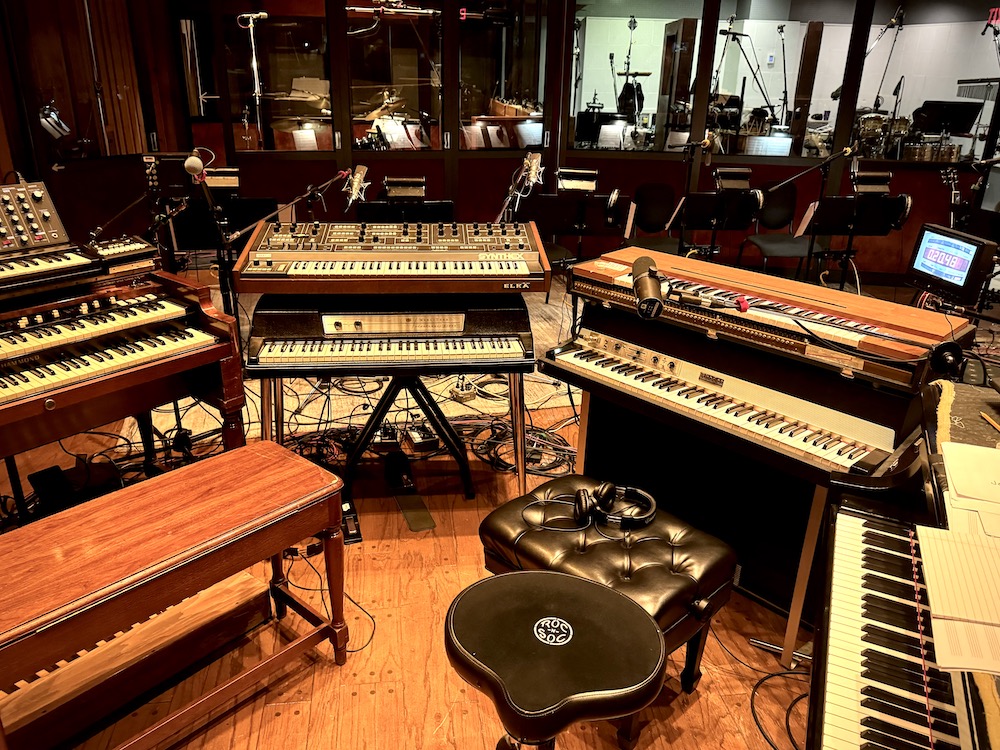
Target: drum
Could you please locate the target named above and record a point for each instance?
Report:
(870, 126)
(949, 152)
(917, 152)
(900, 126)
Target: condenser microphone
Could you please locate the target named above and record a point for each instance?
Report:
(258, 16)
(895, 91)
(646, 285)
(723, 32)
(355, 187)
(534, 169)
(697, 300)
(194, 165)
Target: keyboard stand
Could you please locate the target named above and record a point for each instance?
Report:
(425, 401)
(273, 428)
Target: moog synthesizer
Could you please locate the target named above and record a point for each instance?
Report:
(446, 257)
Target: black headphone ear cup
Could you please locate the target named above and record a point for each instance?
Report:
(583, 506)
(605, 495)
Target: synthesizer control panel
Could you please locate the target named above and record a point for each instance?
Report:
(28, 219)
(319, 257)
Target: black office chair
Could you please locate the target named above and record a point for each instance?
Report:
(779, 213)
(652, 207)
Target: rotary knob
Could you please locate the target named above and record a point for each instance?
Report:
(37, 195)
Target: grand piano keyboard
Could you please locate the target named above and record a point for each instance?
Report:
(811, 433)
(875, 683)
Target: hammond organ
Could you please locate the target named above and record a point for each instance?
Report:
(413, 257)
(113, 348)
(781, 381)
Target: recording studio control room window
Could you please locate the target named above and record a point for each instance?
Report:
(278, 86)
(502, 74)
(395, 59)
(633, 65)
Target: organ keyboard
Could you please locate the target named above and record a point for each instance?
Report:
(115, 349)
(858, 336)
(320, 258)
(875, 683)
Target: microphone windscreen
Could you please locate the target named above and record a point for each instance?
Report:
(642, 265)
(193, 165)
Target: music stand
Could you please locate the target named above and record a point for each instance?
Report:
(946, 117)
(725, 210)
(863, 215)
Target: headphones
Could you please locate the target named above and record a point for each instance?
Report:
(599, 504)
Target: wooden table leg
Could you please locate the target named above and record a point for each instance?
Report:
(278, 579)
(333, 556)
(266, 412)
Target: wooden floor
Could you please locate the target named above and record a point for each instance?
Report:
(398, 691)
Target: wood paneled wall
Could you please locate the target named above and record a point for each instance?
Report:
(117, 79)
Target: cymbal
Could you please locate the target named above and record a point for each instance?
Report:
(289, 124)
(643, 73)
(388, 108)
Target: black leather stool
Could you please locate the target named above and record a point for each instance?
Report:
(536, 643)
(679, 575)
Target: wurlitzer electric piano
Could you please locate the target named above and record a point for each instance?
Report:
(89, 335)
(742, 397)
(397, 299)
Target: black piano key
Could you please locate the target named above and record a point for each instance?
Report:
(893, 587)
(882, 541)
(884, 562)
(905, 609)
(909, 645)
(902, 733)
(890, 528)
(902, 681)
(895, 617)
(935, 678)
(891, 741)
(918, 717)
(919, 706)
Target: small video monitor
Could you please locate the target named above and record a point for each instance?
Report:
(951, 264)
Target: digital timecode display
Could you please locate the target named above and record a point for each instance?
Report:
(945, 258)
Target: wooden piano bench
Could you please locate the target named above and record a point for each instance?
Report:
(679, 575)
(77, 577)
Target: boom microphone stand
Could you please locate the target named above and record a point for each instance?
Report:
(736, 36)
(786, 115)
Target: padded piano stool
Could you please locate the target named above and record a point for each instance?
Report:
(77, 577)
(679, 575)
(537, 643)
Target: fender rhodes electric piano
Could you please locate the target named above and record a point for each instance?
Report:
(784, 376)
(446, 257)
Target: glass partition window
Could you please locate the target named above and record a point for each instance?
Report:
(395, 65)
(928, 89)
(503, 75)
(632, 74)
(278, 87)
(753, 85)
